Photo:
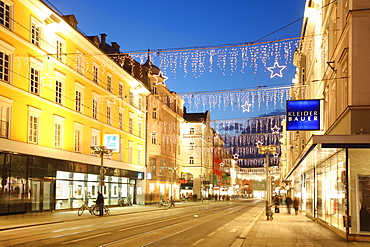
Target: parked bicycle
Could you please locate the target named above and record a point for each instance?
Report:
(163, 203)
(93, 210)
(83, 208)
(96, 210)
(126, 201)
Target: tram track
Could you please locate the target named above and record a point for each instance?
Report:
(90, 232)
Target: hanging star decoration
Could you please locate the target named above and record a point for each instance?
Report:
(275, 130)
(276, 70)
(236, 156)
(157, 78)
(246, 106)
(259, 143)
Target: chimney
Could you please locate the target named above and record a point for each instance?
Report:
(103, 41)
(115, 46)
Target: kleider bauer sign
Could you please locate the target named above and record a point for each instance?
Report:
(303, 115)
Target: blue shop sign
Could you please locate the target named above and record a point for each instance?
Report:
(303, 115)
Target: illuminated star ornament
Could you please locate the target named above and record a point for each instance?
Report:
(259, 143)
(246, 106)
(236, 156)
(276, 70)
(275, 130)
(157, 78)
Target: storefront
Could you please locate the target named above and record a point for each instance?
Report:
(332, 181)
(32, 183)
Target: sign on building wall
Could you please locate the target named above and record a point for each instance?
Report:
(112, 141)
(303, 115)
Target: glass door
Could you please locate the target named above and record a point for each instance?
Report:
(36, 195)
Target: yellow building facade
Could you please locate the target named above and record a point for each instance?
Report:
(61, 93)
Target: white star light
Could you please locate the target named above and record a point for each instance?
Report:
(276, 70)
(275, 130)
(157, 78)
(246, 106)
(259, 143)
(236, 156)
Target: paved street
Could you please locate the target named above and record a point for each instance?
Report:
(252, 227)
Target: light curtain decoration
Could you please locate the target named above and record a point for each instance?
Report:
(241, 100)
(242, 136)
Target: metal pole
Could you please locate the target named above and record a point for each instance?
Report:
(268, 180)
(101, 171)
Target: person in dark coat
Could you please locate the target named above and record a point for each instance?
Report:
(296, 205)
(288, 201)
(100, 203)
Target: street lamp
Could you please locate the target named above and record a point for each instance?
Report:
(270, 149)
(101, 151)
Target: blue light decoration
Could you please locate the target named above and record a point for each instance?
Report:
(303, 115)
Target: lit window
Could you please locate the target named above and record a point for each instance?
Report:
(78, 134)
(109, 117)
(192, 146)
(191, 130)
(154, 113)
(79, 62)
(154, 138)
(60, 46)
(120, 90)
(58, 131)
(5, 113)
(120, 120)
(34, 116)
(131, 125)
(95, 73)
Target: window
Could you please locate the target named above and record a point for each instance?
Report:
(139, 127)
(139, 154)
(191, 131)
(154, 137)
(131, 124)
(130, 149)
(122, 148)
(95, 73)
(58, 131)
(6, 8)
(79, 97)
(4, 67)
(131, 97)
(109, 117)
(120, 120)
(154, 113)
(60, 45)
(192, 146)
(95, 106)
(152, 166)
(140, 102)
(58, 92)
(5, 116)
(35, 32)
(109, 83)
(162, 167)
(191, 160)
(34, 116)
(120, 90)
(35, 81)
(78, 134)
(154, 90)
(95, 137)
(79, 62)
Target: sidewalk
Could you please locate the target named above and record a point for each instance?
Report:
(289, 230)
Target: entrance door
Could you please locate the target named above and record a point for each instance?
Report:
(42, 195)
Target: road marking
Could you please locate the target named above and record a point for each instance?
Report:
(211, 234)
(197, 242)
(220, 228)
(80, 239)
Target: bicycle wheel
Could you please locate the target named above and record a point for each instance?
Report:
(95, 210)
(107, 211)
(81, 210)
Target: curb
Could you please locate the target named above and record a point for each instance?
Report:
(240, 240)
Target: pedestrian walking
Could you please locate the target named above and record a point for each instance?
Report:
(100, 203)
(296, 205)
(172, 202)
(288, 201)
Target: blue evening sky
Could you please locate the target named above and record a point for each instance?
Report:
(174, 25)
